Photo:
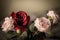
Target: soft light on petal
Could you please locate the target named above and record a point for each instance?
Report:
(7, 24)
(42, 24)
(53, 15)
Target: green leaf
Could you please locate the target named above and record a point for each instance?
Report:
(31, 27)
(11, 34)
(24, 34)
(49, 17)
(36, 33)
(49, 33)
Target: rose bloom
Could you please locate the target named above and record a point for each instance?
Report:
(53, 15)
(21, 20)
(42, 24)
(7, 24)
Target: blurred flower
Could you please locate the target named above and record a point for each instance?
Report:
(42, 24)
(8, 24)
(21, 20)
(53, 15)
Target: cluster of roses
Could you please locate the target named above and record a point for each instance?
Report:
(18, 22)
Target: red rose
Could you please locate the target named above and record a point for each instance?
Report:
(21, 20)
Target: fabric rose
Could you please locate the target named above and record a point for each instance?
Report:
(53, 15)
(21, 20)
(42, 24)
(7, 24)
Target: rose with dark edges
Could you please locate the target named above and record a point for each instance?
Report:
(21, 20)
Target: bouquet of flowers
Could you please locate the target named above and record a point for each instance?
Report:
(18, 26)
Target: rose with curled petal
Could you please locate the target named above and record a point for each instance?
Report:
(21, 20)
(42, 24)
(8, 24)
(53, 16)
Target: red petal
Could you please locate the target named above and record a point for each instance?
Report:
(28, 18)
(20, 28)
(13, 15)
(16, 28)
(26, 22)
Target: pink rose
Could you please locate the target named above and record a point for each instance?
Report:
(53, 15)
(42, 24)
(7, 24)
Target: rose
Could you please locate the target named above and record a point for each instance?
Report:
(53, 16)
(42, 24)
(7, 24)
(21, 20)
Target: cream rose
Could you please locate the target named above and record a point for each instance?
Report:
(53, 15)
(42, 24)
(7, 24)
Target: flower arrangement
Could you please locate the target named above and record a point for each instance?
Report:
(18, 25)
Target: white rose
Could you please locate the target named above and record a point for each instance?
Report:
(53, 15)
(42, 24)
(8, 24)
